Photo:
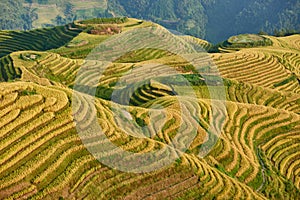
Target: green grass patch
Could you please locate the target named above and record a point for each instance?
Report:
(143, 55)
(28, 92)
(116, 20)
(245, 41)
(286, 81)
(80, 46)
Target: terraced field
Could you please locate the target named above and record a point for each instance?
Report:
(243, 145)
(206, 45)
(39, 39)
(262, 67)
(41, 132)
(7, 70)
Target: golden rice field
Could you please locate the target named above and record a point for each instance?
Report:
(256, 142)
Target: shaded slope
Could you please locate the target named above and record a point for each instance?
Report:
(39, 39)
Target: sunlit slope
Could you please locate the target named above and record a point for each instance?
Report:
(255, 157)
(275, 67)
(235, 161)
(42, 156)
(63, 70)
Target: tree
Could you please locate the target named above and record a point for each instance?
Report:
(261, 32)
(14, 15)
(59, 20)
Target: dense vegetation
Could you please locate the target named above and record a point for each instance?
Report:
(214, 20)
(15, 16)
(185, 16)
(244, 41)
(117, 20)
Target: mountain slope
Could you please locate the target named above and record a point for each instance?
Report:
(213, 20)
(256, 141)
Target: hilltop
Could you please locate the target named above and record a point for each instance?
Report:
(238, 107)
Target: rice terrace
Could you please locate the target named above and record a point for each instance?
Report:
(223, 119)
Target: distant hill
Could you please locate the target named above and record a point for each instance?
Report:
(15, 16)
(213, 20)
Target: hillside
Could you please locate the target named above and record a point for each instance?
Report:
(15, 16)
(213, 20)
(222, 125)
